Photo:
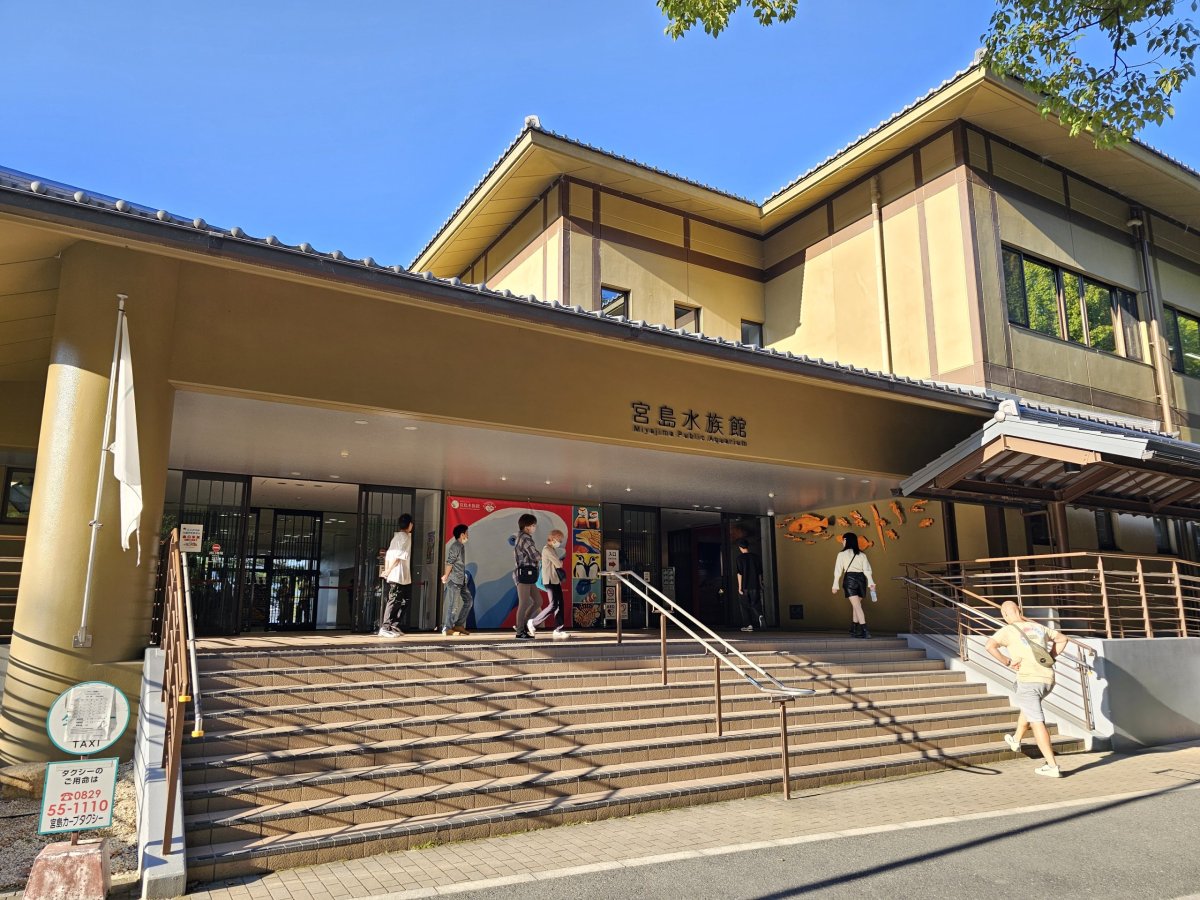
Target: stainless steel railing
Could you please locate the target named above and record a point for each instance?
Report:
(723, 653)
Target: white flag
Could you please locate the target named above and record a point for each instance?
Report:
(127, 465)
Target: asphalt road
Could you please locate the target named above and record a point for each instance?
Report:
(1144, 847)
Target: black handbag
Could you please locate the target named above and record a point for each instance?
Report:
(527, 574)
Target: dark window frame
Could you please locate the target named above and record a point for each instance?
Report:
(610, 296)
(1123, 306)
(1179, 363)
(1106, 530)
(686, 310)
(9, 472)
(756, 325)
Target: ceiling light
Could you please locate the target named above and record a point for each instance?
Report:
(695, 506)
(864, 481)
(295, 473)
(589, 487)
(716, 507)
(345, 454)
(771, 494)
(410, 427)
(335, 476)
(360, 421)
(547, 482)
(839, 478)
(628, 490)
(504, 478)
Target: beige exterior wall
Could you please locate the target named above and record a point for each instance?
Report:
(805, 567)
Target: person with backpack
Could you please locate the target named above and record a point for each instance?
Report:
(852, 572)
(1031, 650)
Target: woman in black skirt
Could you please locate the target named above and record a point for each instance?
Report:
(852, 572)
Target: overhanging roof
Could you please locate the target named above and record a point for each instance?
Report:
(998, 105)
(1021, 461)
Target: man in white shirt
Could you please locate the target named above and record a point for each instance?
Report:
(397, 573)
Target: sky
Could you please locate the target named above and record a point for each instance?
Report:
(361, 126)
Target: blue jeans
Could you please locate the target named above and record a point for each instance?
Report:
(458, 605)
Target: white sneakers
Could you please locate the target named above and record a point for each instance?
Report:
(1013, 744)
(530, 627)
(390, 631)
(1048, 771)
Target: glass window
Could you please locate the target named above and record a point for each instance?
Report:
(18, 493)
(687, 318)
(1074, 311)
(1189, 344)
(1106, 532)
(1014, 288)
(1171, 334)
(1041, 292)
(752, 333)
(1131, 333)
(1049, 299)
(614, 302)
(1098, 300)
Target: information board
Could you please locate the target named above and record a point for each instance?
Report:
(87, 718)
(190, 538)
(78, 796)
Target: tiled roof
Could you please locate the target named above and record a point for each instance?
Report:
(961, 73)
(14, 182)
(583, 146)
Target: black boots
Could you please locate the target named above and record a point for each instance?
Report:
(853, 629)
(859, 631)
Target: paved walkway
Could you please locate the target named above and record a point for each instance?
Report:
(964, 794)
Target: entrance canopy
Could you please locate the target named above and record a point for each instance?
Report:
(1020, 458)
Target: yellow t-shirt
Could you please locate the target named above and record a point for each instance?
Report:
(1030, 669)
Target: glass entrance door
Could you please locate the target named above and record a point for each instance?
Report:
(379, 512)
(221, 504)
(293, 570)
(758, 533)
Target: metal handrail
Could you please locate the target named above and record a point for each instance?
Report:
(1113, 594)
(180, 676)
(779, 693)
(1079, 663)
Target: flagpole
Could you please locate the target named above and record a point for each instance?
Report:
(82, 637)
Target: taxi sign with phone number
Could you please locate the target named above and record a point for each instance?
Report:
(79, 796)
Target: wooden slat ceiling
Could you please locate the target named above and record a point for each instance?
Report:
(1022, 479)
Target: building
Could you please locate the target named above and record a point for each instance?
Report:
(588, 331)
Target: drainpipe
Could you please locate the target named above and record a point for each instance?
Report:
(1160, 356)
(885, 331)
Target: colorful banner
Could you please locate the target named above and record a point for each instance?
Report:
(490, 557)
(587, 540)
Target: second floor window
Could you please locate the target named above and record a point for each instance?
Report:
(614, 302)
(752, 333)
(1183, 339)
(1069, 306)
(687, 318)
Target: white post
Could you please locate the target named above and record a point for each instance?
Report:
(82, 637)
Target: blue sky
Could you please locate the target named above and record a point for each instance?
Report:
(361, 125)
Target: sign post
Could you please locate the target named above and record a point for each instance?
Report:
(85, 719)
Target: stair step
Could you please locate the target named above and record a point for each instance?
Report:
(534, 763)
(313, 846)
(822, 705)
(466, 650)
(442, 790)
(448, 678)
(289, 709)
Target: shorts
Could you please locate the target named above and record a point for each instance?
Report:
(854, 584)
(1029, 699)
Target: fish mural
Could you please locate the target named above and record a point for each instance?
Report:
(814, 527)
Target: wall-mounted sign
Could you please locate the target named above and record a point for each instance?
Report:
(87, 718)
(190, 538)
(612, 560)
(668, 423)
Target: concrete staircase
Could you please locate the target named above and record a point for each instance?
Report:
(351, 749)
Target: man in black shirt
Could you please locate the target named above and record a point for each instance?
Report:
(749, 583)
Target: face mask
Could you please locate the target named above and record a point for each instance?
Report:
(554, 543)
